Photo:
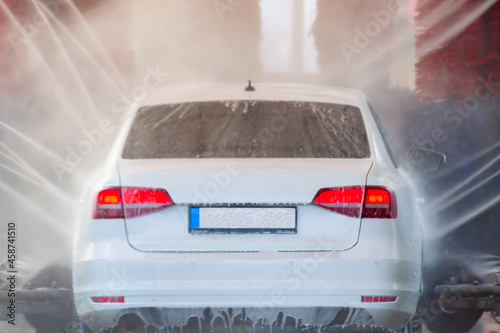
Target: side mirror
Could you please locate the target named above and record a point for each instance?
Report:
(424, 160)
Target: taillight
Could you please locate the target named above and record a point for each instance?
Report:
(105, 299)
(380, 203)
(343, 200)
(379, 299)
(126, 202)
(355, 201)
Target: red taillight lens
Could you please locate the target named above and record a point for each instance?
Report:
(379, 299)
(104, 299)
(377, 196)
(343, 200)
(145, 196)
(109, 204)
(126, 202)
(109, 196)
(355, 201)
(380, 203)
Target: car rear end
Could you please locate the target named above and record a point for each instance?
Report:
(256, 205)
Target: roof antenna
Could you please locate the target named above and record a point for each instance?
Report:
(249, 88)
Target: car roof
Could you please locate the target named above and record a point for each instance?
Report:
(263, 91)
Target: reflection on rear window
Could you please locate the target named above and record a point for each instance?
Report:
(247, 129)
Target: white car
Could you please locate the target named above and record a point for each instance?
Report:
(258, 204)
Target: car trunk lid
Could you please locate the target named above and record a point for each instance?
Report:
(205, 186)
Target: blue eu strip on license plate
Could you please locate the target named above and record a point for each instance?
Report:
(195, 218)
(243, 219)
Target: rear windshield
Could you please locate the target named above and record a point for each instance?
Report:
(247, 129)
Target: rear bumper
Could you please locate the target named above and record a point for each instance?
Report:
(168, 288)
(312, 300)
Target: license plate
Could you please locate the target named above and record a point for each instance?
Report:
(243, 220)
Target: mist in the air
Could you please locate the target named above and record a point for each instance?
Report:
(71, 69)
